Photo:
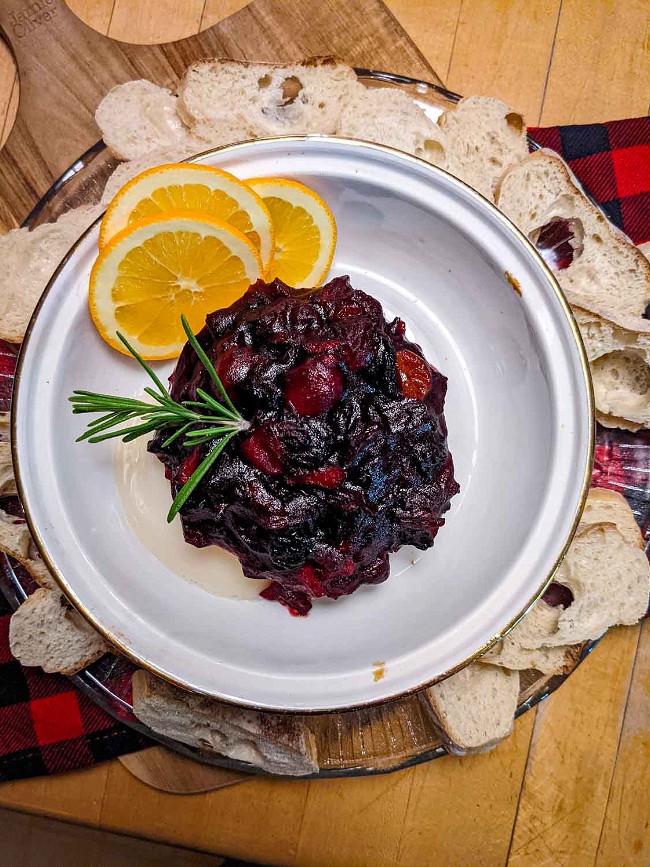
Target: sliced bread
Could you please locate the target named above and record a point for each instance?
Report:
(38, 570)
(524, 646)
(609, 579)
(7, 481)
(620, 369)
(277, 743)
(598, 268)
(603, 593)
(474, 709)
(15, 539)
(549, 660)
(138, 117)
(610, 582)
(28, 260)
(615, 421)
(47, 631)
(390, 117)
(16, 542)
(604, 505)
(483, 137)
(225, 101)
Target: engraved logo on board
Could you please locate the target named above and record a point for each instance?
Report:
(31, 16)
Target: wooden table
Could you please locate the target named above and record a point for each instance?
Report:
(572, 785)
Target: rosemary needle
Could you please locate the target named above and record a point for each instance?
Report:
(200, 421)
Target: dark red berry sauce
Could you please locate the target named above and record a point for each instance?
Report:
(558, 595)
(346, 458)
(559, 242)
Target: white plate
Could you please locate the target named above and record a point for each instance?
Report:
(520, 429)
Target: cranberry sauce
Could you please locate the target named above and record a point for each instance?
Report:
(346, 458)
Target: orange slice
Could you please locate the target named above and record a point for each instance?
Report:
(188, 187)
(154, 270)
(304, 230)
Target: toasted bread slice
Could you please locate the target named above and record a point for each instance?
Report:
(474, 709)
(139, 117)
(279, 744)
(483, 137)
(620, 369)
(28, 260)
(607, 274)
(231, 100)
(47, 631)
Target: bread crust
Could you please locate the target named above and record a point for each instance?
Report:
(617, 238)
(275, 742)
(32, 649)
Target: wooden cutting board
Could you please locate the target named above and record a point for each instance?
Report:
(65, 68)
(170, 772)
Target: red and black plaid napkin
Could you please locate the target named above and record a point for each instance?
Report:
(612, 161)
(47, 726)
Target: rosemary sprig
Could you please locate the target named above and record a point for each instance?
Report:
(200, 421)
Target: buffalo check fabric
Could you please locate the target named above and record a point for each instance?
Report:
(612, 160)
(47, 726)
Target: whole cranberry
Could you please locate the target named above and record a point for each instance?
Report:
(314, 386)
(234, 366)
(263, 450)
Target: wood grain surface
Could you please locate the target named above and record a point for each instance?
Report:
(172, 772)
(66, 67)
(570, 787)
